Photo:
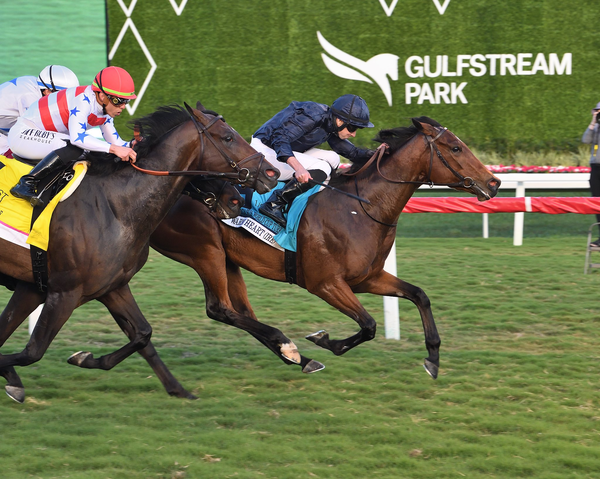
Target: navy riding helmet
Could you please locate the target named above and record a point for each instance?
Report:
(353, 110)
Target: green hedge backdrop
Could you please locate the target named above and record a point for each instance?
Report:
(248, 59)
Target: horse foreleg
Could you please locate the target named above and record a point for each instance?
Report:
(341, 297)
(386, 284)
(22, 303)
(121, 304)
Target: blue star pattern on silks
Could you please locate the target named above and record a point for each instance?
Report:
(83, 126)
(14, 81)
(81, 136)
(74, 111)
(116, 135)
(85, 98)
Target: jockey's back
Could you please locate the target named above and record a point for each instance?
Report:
(15, 97)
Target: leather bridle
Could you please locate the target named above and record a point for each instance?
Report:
(463, 181)
(242, 176)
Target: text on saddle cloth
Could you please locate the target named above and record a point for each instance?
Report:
(16, 214)
(266, 229)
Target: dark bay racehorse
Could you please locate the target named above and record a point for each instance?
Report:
(99, 236)
(350, 241)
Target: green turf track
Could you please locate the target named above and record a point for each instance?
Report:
(517, 395)
(37, 33)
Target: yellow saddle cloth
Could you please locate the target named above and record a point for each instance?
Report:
(15, 213)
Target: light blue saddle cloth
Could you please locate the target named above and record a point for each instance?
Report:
(285, 237)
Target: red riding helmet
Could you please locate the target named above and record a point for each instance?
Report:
(114, 81)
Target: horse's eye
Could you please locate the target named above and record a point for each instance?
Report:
(228, 138)
(456, 149)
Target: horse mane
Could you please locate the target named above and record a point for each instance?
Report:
(151, 128)
(154, 126)
(102, 164)
(396, 138)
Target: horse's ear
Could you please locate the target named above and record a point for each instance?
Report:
(200, 106)
(196, 113)
(424, 127)
(418, 125)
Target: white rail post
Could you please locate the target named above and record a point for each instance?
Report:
(33, 318)
(486, 226)
(391, 312)
(519, 217)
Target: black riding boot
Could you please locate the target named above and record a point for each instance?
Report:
(274, 206)
(26, 188)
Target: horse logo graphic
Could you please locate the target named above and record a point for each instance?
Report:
(376, 69)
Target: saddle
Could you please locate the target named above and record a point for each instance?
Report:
(49, 188)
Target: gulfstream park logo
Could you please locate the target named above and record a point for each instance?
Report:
(389, 9)
(383, 68)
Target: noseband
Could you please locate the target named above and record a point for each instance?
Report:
(242, 176)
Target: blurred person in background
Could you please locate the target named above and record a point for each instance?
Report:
(591, 136)
(20, 93)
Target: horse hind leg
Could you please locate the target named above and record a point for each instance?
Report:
(56, 312)
(25, 299)
(221, 310)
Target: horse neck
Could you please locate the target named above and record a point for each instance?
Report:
(145, 198)
(388, 199)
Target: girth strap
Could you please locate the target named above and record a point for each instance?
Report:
(290, 266)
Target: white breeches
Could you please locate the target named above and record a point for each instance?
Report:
(313, 159)
(3, 144)
(32, 143)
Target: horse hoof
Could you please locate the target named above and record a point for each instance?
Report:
(431, 369)
(316, 337)
(290, 352)
(15, 393)
(313, 366)
(78, 358)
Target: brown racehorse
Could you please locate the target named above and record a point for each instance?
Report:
(99, 236)
(348, 239)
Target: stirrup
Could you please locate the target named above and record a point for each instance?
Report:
(271, 213)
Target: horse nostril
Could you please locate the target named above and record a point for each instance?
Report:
(494, 183)
(235, 202)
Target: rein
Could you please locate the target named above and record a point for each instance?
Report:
(243, 174)
(464, 182)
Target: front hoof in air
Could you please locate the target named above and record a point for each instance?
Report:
(15, 393)
(312, 367)
(318, 336)
(78, 358)
(431, 369)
